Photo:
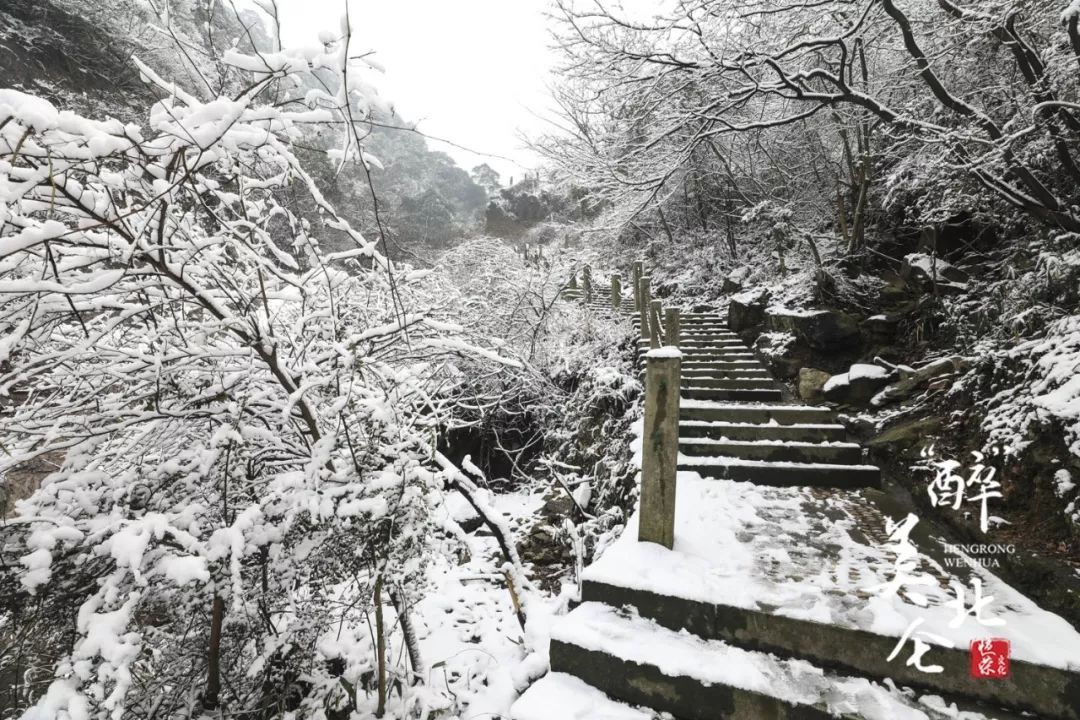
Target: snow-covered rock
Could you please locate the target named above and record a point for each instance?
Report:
(820, 329)
(857, 385)
(924, 271)
(747, 310)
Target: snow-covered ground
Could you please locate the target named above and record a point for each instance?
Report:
(478, 658)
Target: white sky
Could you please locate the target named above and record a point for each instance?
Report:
(472, 71)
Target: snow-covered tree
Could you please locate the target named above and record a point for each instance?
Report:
(242, 422)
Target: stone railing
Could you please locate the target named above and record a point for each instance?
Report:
(659, 328)
(660, 434)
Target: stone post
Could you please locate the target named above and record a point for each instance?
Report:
(639, 272)
(616, 292)
(586, 283)
(654, 324)
(660, 446)
(671, 327)
(644, 298)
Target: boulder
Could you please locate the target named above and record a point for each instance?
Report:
(811, 383)
(820, 329)
(735, 280)
(746, 311)
(921, 271)
(857, 386)
(880, 329)
(781, 353)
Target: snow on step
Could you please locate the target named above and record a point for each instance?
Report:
(793, 571)
(693, 393)
(641, 662)
(772, 451)
(782, 473)
(740, 351)
(805, 432)
(559, 696)
(725, 342)
(721, 364)
(728, 383)
(715, 349)
(732, 373)
(711, 410)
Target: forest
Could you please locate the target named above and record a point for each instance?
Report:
(300, 418)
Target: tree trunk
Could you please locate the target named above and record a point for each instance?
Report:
(380, 648)
(213, 655)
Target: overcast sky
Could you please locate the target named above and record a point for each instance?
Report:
(472, 71)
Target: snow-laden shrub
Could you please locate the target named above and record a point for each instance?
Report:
(587, 450)
(244, 422)
(1043, 388)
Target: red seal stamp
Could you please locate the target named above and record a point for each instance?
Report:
(990, 658)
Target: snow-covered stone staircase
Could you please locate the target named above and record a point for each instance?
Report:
(734, 424)
(774, 601)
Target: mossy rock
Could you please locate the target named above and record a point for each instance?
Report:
(907, 434)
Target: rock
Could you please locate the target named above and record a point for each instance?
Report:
(893, 290)
(921, 271)
(811, 383)
(880, 329)
(781, 353)
(913, 433)
(857, 385)
(746, 311)
(913, 379)
(735, 280)
(820, 329)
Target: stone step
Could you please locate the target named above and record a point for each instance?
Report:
(786, 451)
(723, 372)
(812, 645)
(800, 432)
(799, 573)
(721, 355)
(726, 345)
(706, 378)
(639, 662)
(693, 362)
(708, 335)
(704, 327)
(718, 338)
(685, 343)
(761, 414)
(688, 365)
(758, 395)
(741, 383)
(783, 473)
(693, 350)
